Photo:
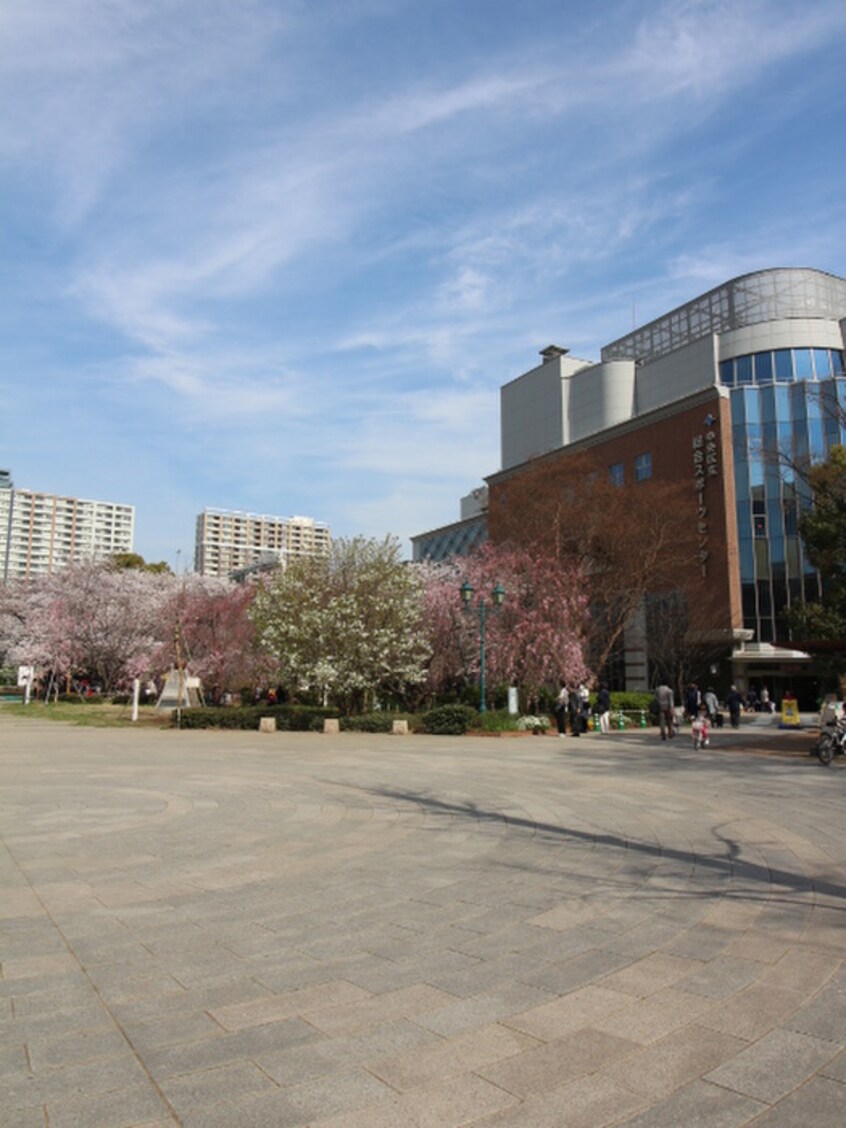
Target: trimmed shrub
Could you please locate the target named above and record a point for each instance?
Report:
(296, 718)
(370, 722)
(448, 720)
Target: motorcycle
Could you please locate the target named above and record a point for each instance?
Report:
(831, 742)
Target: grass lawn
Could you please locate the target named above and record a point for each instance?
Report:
(91, 716)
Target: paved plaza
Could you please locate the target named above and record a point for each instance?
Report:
(218, 930)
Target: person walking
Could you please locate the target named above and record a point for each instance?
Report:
(603, 708)
(734, 704)
(575, 710)
(712, 705)
(666, 711)
(561, 705)
(692, 701)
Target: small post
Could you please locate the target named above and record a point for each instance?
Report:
(136, 694)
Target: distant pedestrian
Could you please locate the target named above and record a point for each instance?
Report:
(603, 708)
(710, 702)
(666, 711)
(562, 703)
(692, 701)
(734, 704)
(574, 707)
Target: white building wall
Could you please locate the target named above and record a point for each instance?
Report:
(534, 410)
(673, 377)
(796, 333)
(600, 396)
(40, 533)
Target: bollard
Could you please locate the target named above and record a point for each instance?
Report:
(621, 722)
(400, 728)
(596, 722)
(643, 718)
(267, 724)
(331, 724)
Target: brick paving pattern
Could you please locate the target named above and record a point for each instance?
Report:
(349, 931)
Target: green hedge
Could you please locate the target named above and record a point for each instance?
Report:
(371, 722)
(294, 718)
(448, 720)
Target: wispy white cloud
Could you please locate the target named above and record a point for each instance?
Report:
(301, 257)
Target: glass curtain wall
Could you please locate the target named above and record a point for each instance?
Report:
(788, 409)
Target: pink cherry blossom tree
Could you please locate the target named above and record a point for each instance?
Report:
(536, 638)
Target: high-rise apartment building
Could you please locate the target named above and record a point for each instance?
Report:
(41, 532)
(228, 541)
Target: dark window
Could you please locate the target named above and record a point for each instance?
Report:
(822, 366)
(727, 373)
(784, 365)
(615, 473)
(643, 467)
(763, 367)
(743, 369)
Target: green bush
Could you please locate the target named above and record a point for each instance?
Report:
(369, 722)
(295, 718)
(448, 720)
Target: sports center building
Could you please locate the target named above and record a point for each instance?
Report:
(705, 395)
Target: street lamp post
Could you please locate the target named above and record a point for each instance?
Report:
(497, 596)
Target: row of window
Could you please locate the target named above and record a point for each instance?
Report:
(784, 366)
(642, 469)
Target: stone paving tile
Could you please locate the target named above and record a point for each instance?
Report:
(122, 1108)
(753, 1012)
(170, 1060)
(825, 1015)
(683, 1056)
(509, 998)
(800, 970)
(720, 977)
(315, 1059)
(651, 974)
(236, 1081)
(774, 1065)
(75, 1048)
(836, 1068)
(650, 1019)
(34, 1116)
(451, 1104)
(553, 1064)
(425, 1065)
(171, 1030)
(562, 1016)
(698, 1105)
(89, 1078)
(760, 946)
(376, 1010)
(818, 1104)
(275, 1008)
(577, 971)
(589, 1102)
(705, 942)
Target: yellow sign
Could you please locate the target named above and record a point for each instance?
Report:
(790, 711)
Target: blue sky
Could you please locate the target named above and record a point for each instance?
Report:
(280, 255)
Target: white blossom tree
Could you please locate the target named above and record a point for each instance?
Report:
(347, 625)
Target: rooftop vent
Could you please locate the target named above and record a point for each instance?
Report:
(551, 352)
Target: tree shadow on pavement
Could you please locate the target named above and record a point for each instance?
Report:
(730, 863)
